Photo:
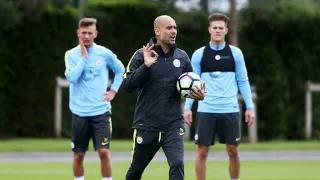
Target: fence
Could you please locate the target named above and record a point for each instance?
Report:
(311, 88)
(63, 83)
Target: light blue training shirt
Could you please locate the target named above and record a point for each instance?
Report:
(89, 78)
(222, 87)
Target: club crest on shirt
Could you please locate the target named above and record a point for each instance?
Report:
(218, 57)
(176, 63)
(99, 62)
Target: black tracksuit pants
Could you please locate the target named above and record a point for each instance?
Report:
(146, 145)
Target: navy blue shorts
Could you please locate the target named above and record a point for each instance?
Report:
(99, 128)
(225, 125)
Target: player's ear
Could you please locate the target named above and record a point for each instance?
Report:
(209, 27)
(78, 33)
(157, 31)
(227, 30)
(96, 34)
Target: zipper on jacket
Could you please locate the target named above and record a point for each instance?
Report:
(165, 83)
(165, 73)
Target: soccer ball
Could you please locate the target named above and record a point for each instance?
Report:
(186, 82)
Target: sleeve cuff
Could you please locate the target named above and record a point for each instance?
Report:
(187, 107)
(114, 89)
(250, 108)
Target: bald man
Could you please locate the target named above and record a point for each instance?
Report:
(158, 122)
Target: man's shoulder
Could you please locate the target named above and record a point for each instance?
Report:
(182, 53)
(104, 51)
(101, 48)
(72, 50)
(235, 50)
(199, 50)
(138, 53)
(181, 50)
(197, 54)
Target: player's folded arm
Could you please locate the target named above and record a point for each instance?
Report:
(73, 70)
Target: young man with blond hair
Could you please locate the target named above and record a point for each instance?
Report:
(87, 70)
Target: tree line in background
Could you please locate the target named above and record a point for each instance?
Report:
(279, 44)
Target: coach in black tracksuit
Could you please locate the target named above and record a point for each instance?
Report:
(158, 122)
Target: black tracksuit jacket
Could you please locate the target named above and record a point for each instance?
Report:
(158, 106)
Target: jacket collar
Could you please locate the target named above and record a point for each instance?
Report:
(160, 51)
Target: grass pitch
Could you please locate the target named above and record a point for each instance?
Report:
(63, 145)
(159, 171)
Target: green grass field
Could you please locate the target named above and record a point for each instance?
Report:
(60, 145)
(255, 170)
(159, 171)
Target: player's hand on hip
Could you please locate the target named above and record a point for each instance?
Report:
(187, 116)
(197, 92)
(109, 95)
(250, 117)
(149, 55)
(84, 52)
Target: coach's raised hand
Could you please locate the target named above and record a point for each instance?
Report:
(149, 55)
